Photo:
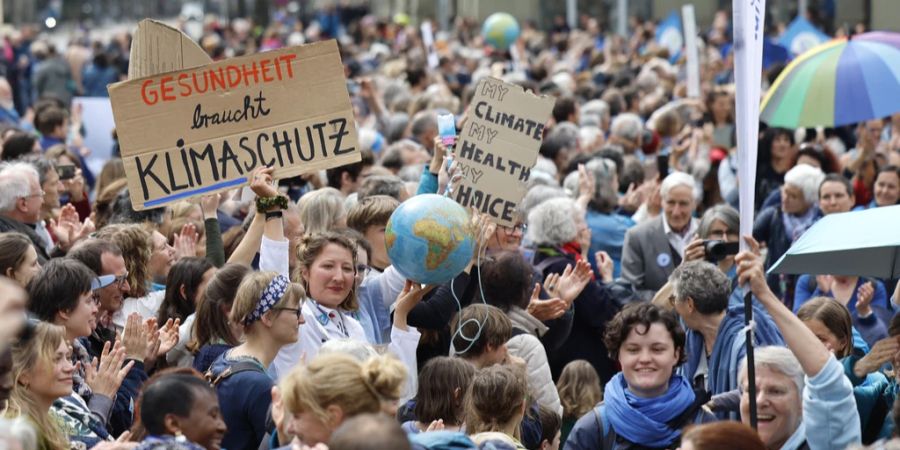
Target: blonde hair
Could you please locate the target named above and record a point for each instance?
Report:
(136, 242)
(495, 399)
(320, 210)
(36, 353)
(579, 388)
(251, 288)
(340, 380)
(311, 246)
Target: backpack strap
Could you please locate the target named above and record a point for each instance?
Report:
(701, 397)
(608, 436)
(516, 331)
(547, 262)
(237, 367)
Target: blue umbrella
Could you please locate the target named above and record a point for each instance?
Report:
(858, 243)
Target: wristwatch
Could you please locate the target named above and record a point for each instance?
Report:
(266, 203)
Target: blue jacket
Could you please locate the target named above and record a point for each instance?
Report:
(244, 399)
(608, 234)
(869, 391)
(872, 328)
(728, 351)
(830, 419)
(590, 432)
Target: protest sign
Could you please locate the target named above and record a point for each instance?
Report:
(691, 51)
(498, 147)
(98, 131)
(158, 48)
(200, 130)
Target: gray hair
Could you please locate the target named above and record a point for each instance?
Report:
(422, 122)
(321, 209)
(605, 173)
(41, 165)
(593, 113)
(587, 135)
(808, 179)
(381, 185)
(358, 350)
(566, 133)
(553, 222)
(540, 176)
(570, 184)
(411, 173)
(627, 125)
(779, 359)
(15, 183)
(537, 195)
(674, 180)
(703, 283)
(724, 213)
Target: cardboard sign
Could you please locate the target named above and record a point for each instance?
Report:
(196, 131)
(158, 48)
(498, 147)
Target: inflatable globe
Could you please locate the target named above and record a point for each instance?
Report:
(500, 30)
(429, 239)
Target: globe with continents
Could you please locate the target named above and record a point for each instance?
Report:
(429, 239)
(500, 30)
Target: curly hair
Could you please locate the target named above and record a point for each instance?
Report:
(642, 315)
(703, 283)
(136, 243)
(311, 247)
(552, 222)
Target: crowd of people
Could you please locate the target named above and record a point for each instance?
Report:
(609, 316)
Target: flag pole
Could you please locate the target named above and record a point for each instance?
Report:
(748, 21)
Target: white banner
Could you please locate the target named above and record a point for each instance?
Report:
(692, 51)
(749, 18)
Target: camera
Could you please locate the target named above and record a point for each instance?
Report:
(66, 172)
(716, 251)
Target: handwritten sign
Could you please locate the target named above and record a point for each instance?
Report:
(498, 147)
(204, 129)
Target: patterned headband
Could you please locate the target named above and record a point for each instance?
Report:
(269, 297)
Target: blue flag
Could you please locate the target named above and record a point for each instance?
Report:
(774, 53)
(801, 36)
(669, 35)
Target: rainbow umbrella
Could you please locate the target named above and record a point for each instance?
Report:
(840, 82)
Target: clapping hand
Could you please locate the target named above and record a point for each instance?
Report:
(605, 266)
(186, 241)
(550, 309)
(105, 376)
(864, 295)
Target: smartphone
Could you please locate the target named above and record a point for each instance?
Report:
(66, 171)
(662, 165)
(447, 129)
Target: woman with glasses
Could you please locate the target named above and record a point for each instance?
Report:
(63, 294)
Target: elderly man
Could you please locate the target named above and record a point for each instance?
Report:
(653, 249)
(21, 199)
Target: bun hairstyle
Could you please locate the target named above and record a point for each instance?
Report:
(311, 246)
(340, 380)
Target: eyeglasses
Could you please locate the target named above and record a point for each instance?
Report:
(297, 311)
(522, 228)
(36, 194)
(363, 269)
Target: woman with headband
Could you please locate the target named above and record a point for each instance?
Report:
(267, 305)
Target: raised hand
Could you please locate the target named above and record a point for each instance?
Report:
(605, 266)
(168, 336)
(136, 340)
(544, 310)
(882, 352)
(186, 241)
(409, 297)
(864, 295)
(586, 186)
(694, 251)
(209, 204)
(262, 182)
(105, 376)
(750, 271)
(68, 228)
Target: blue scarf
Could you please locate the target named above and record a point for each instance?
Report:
(729, 349)
(794, 225)
(643, 420)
